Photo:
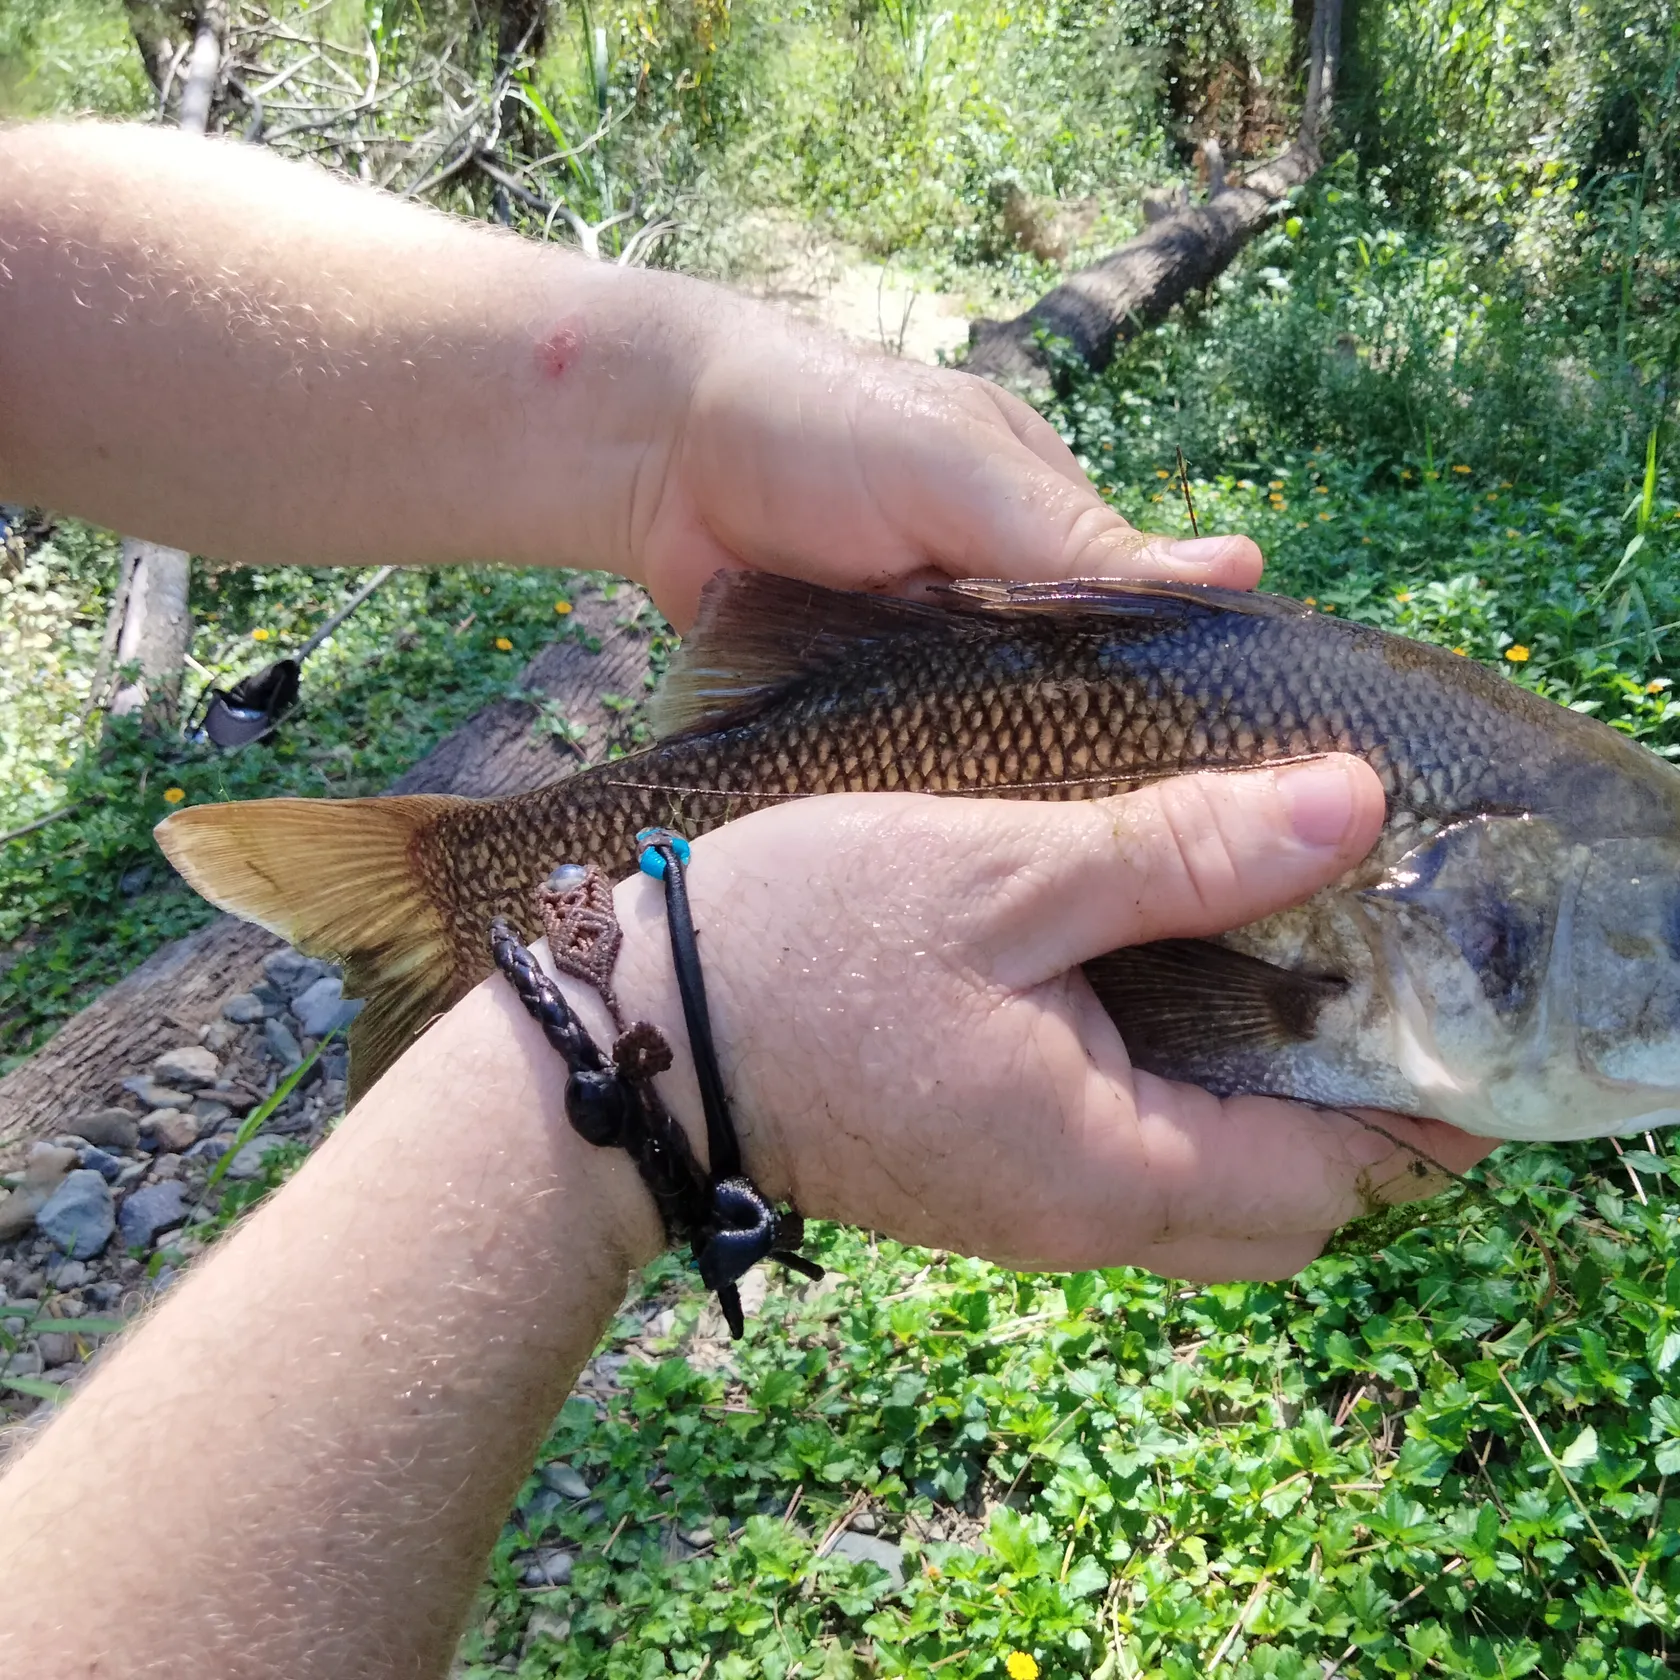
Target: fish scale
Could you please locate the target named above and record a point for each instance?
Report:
(1458, 970)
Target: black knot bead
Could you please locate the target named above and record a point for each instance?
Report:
(598, 1106)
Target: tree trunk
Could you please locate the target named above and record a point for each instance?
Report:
(156, 628)
(157, 621)
(1104, 305)
(179, 988)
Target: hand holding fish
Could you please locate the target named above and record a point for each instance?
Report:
(910, 1045)
(303, 371)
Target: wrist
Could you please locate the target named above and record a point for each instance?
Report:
(644, 980)
(614, 355)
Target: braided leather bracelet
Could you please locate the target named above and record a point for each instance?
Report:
(727, 1221)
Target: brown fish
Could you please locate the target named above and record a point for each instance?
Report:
(1508, 956)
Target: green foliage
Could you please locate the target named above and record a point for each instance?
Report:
(1452, 1458)
(69, 56)
(85, 899)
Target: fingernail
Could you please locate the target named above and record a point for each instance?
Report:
(1318, 798)
(1200, 550)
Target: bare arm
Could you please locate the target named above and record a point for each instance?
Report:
(323, 1426)
(206, 346)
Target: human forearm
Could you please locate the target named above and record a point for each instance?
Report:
(322, 1428)
(205, 346)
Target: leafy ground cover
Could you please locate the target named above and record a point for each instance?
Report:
(1459, 1457)
(1440, 394)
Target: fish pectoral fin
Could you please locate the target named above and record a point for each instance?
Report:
(337, 878)
(1178, 1000)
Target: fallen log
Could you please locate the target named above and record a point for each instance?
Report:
(180, 987)
(1100, 307)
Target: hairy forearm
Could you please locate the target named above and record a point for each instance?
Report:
(298, 1465)
(203, 345)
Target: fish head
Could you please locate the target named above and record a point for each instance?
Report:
(1533, 978)
(1625, 963)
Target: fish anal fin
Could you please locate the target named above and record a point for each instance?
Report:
(348, 879)
(1180, 1001)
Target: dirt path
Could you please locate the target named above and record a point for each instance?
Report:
(788, 262)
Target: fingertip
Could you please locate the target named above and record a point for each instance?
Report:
(1230, 561)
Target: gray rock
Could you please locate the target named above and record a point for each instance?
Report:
(109, 1167)
(156, 1095)
(149, 1210)
(168, 1131)
(133, 1173)
(47, 1168)
(26, 1362)
(550, 1567)
(108, 1128)
(248, 1163)
(79, 1216)
(69, 1274)
(281, 1044)
(244, 1009)
(322, 1007)
(210, 1115)
(231, 1094)
(565, 1481)
(56, 1347)
(217, 1036)
(209, 1150)
(189, 1067)
(290, 973)
(166, 1166)
(865, 1548)
(538, 1506)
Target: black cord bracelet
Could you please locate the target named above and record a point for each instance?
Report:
(727, 1221)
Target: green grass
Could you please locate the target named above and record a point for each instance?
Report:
(1337, 1470)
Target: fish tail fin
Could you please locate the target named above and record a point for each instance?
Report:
(345, 879)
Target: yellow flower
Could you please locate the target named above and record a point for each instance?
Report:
(1156, 497)
(1300, 524)
(503, 645)
(1405, 472)
(174, 796)
(1404, 595)
(1513, 535)
(1518, 655)
(1504, 484)
(1366, 541)
(562, 607)
(1020, 1666)
(1656, 687)
(1329, 606)
(1463, 653)
(1245, 483)
(259, 635)
(1310, 601)
(1161, 473)
(1276, 484)
(1322, 490)
(1461, 469)
(1324, 516)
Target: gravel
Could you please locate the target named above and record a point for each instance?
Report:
(189, 1066)
(244, 1009)
(154, 1094)
(80, 1215)
(109, 1128)
(150, 1210)
(282, 1043)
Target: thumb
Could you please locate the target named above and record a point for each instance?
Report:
(1182, 858)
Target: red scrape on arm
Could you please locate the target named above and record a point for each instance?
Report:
(555, 353)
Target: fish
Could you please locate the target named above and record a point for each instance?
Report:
(1506, 958)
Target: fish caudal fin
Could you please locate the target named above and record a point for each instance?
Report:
(342, 879)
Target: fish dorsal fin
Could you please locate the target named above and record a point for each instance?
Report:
(757, 632)
(1146, 603)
